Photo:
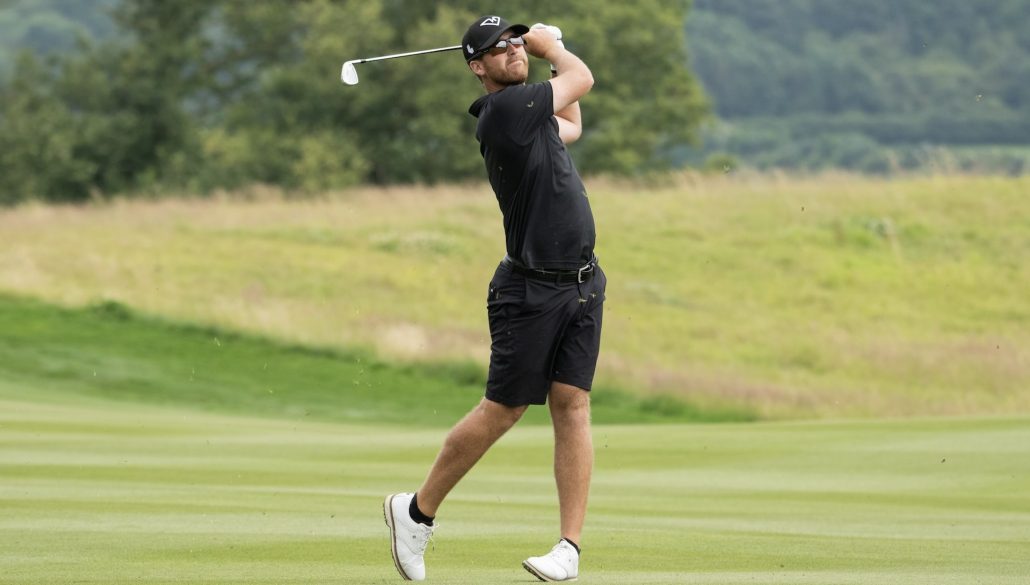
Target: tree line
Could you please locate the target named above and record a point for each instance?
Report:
(194, 96)
(816, 83)
(197, 95)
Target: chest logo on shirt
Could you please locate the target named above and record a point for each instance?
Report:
(530, 104)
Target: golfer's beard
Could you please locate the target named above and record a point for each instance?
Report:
(506, 76)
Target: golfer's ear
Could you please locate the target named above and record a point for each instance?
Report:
(476, 66)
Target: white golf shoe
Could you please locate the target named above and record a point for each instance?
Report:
(561, 564)
(408, 539)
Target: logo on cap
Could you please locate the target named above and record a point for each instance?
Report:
(470, 49)
(492, 21)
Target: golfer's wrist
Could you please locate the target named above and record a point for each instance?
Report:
(555, 53)
(554, 69)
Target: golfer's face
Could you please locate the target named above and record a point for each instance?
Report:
(508, 66)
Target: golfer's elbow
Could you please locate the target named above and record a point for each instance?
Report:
(577, 131)
(580, 83)
(586, 80)
(571, 84)
(581, 77)
(569, 132)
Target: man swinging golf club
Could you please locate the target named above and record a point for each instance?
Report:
(545, 298)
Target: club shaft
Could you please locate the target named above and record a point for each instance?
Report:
(454, 48)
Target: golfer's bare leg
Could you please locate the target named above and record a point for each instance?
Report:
(465, 444)
(573, 455)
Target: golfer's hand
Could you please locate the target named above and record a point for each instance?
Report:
(539, 42)
(556, 32)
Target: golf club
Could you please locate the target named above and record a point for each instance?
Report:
(349, 74)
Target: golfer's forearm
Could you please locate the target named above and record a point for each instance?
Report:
(571, 81)
(567, 64)
(571, 113)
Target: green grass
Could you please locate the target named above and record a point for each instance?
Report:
(140, 448)
(98, 491)
(107, 351)
(790, 297)
(150, 447)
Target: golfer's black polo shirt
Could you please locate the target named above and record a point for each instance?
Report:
(547, 217)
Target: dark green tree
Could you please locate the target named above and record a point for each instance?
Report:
(118, 112)
(40, 140)
(220, 94)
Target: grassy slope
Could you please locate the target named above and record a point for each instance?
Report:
(824, 296)
(116, 492)
(109, 352)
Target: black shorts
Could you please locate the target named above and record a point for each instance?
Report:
(541, 332)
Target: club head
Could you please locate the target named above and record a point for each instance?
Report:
(349, 74)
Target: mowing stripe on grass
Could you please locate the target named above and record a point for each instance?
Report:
(98, 491)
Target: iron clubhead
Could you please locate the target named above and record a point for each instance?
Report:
(349, 74)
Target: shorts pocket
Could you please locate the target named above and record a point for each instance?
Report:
(505, 298)
(505, 294)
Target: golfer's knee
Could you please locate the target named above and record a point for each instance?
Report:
(568, 397)
(501, 414)
(515, 413)
(572, 413)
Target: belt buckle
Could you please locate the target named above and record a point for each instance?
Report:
(579, 273)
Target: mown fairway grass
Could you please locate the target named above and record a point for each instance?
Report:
(96, 491)
(135, 450)
(823, 296)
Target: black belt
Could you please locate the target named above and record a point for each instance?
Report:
(578, 276)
